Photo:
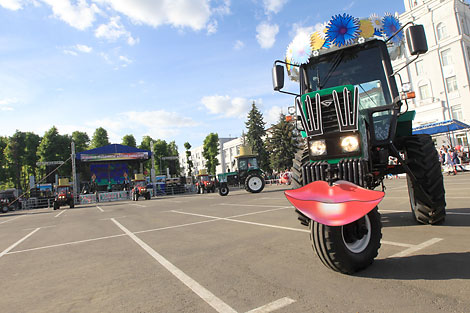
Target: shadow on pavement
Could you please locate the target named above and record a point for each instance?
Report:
(454, 218)
(442, 266)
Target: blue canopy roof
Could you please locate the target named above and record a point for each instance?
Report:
(440, 127)
(114, 152)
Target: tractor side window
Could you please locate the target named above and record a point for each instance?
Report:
(252, 163)
(382, 121)
(243, 165)
(371, 94)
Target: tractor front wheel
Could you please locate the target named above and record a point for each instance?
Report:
(56, 205)
(223, 190)
(300, 159)
(72, 204)
(254, 183)
(349, 248)
(5, 209)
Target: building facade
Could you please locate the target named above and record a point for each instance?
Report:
(441, 77)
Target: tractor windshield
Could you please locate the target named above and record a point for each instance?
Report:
(62, 190)
(361, 66)
(204, 178)
(248, 164)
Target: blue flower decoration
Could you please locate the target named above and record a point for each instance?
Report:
(342, 30)
(390, 26)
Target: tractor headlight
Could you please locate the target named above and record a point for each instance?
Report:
(350, 144)
(318, 147)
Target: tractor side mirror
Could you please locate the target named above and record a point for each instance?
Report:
(278, 77)
(416, 39)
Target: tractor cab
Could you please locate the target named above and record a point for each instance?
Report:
(63, 194)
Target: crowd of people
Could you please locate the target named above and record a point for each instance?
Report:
(452, 158)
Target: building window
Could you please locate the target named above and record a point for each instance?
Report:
(424, 92)
(451, 83)
(419, 68)
(456, 111)
(446, 56)
(441, 31)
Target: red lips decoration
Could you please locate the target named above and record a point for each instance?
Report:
(336, 205)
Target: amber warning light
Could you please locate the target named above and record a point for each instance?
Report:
(408, 95)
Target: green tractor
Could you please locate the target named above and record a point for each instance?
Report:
(248, 174)
(357, 130)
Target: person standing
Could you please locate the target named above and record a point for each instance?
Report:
(449, 162)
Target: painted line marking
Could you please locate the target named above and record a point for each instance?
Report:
(40, 227)
(252, 205)
(142, 206)
(398, 244)
(11, 219)
(99, 208)
(198, 289)
(60, 213)
(66, 244)
(273, 306)
(108, 218)
(18, 242)
(416, 248)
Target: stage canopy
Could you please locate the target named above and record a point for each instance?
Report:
(114, 152)
(440, 127)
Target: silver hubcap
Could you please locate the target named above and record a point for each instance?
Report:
(255, 183)
(360, 245)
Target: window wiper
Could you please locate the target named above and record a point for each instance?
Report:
(336, 63)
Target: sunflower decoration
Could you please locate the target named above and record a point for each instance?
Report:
(342, 29)
(316, 41)
(390, 26)
(366, 28)
(301, 49)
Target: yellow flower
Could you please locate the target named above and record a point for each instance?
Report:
(366, 28)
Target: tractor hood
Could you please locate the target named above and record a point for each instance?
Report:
(336, 205)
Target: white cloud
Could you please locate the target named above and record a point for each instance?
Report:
(125, 59)
(5, 104)
(12, 4)
(70, 52)
(114, 30)
(266, 34)
(226, 106)
(212, 27)
(272, 115)
(273, 6)
(83, 48)
(181, 13)
(80, 15)
(298, 29)
(238, 45)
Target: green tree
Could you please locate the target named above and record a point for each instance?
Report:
(255, 134)
(4, 175)
(129, 140)
(211, 151)
(174, 164)
(283, 144)
(81, 140)
(32, 142)
(100, 138)
(146, 144)
(161, 150)
(55, 147)
(187, 146)
(14, 153)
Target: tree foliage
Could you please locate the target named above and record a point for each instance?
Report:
(187, 146)
(81, 140)
(210, 152)
(282, 145)
(255, 136)
(129, 140)
(100, 138)
(55, 147)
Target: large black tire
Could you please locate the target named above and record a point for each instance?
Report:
(147, 196)
(5, 209)
(424, 163)
(300, 159)
(254, 183)
(55, 205)
(223, 190)
(342, 249)
(72, 204)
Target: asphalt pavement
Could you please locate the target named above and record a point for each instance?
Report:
(240, 253)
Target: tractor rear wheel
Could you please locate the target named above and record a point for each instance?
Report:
(300, 159)
(424, 163)
(349, 248)
(254, 183)
(5, 209)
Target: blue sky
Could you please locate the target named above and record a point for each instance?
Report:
(170, 69)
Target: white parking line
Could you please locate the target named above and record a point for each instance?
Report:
(11, 219)
(273, 306)
(252, 205)
(99, 208)
(415, 248)
(60, 213)
(18, 242)
(142, 206)
(198, 289)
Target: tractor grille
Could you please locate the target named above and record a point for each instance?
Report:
(354, 171)
(329, 117)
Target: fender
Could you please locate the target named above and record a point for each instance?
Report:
(336, 205)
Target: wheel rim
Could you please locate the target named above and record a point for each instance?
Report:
(223, 190)
(255, 183)
(357, 245)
